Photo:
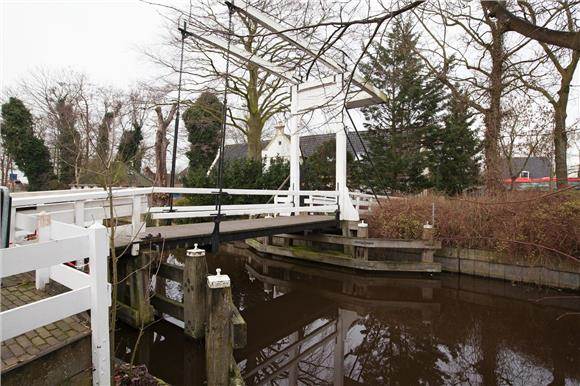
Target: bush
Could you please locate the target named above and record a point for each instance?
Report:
(529, 225)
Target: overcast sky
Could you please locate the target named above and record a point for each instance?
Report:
(103, 39)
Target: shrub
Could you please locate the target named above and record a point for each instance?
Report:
(530, 225)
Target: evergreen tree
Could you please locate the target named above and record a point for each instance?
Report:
(319, 169)
(68, 139)
(398, 127)
(203, 121)
(454, 150)
(29, 152)
(130, 150)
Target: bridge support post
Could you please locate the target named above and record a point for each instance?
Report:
(219, 341)
(294, 147)
(194, 293)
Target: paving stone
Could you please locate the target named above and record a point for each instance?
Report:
(51, 340)
(43, 332)
(16, 349)
(38, 341)
(23, 341)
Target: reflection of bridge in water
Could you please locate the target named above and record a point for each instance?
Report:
(320, 322)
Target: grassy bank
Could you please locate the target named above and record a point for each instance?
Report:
(533, 226)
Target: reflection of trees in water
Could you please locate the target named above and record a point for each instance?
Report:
(397, 351)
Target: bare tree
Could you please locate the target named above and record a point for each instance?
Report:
(471, 53)
(525, 133)
(552, 69)
(566, 37)
(256, 95)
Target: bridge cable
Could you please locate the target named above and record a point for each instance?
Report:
(176, 130)
(215, 239)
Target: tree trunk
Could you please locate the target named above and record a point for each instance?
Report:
(492, 116)
(161, 144)
(255, 124)
(561, 142)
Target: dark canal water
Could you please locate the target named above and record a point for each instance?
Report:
(313, 326)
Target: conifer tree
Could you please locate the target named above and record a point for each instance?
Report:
(397, 128)
(454, 150)
(28, 151)
(203, 121)
(130, 149)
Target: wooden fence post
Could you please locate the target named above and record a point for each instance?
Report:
(362, 253)
(43, 235)
(100, 303)
(218, 341)
(79, 209)
(194, 292)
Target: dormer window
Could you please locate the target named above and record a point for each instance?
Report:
(525, 174)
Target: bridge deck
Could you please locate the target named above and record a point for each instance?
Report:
(231, 230)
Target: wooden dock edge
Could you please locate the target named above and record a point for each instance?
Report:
(345, 261)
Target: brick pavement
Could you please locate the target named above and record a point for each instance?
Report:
(18, 290)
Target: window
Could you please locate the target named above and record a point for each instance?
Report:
(279, 143)
(525, 174)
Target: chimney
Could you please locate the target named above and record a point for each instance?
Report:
(279, 128)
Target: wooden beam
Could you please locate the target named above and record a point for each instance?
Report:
(367, 243)
(167, 306)
(171, 272)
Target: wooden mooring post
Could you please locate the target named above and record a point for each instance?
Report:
(428, 237)
(221, 333)
(194, 292)
(362, 253)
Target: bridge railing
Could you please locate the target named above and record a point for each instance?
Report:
(57, 243)
(283, 203)
(85, 207)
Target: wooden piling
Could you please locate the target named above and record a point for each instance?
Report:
(194, 293)
(218, 342)
(362, 253)
(428, 237)
(138, 288)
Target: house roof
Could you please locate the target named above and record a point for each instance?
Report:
(238, 150)
(308, 145)
(537, 166)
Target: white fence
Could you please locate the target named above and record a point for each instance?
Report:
(57, 243)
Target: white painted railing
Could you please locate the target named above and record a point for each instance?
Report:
(85, 207)
(57, 243)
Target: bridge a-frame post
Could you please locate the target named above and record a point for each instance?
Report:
(293, 124)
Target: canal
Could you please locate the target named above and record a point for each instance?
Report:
(309, 325)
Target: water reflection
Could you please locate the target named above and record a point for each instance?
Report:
(309, 326)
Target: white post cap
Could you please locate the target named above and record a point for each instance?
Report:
(195, 252)
(363, 224)
(427, 226)
(218, 280)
